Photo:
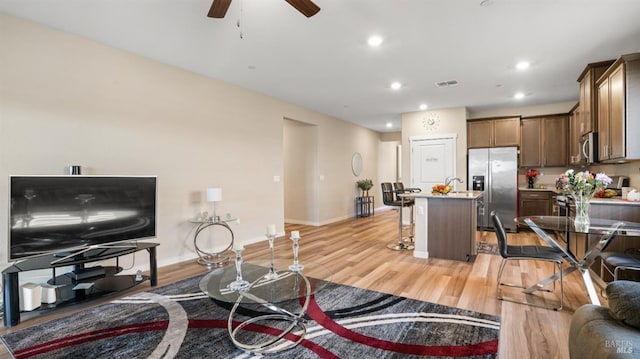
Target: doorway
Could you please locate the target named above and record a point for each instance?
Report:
(300, 150)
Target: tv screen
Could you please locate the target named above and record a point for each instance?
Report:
(50, 214)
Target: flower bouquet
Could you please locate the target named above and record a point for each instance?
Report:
(582, 186)
(531, 175)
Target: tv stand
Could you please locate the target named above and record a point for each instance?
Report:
(105, 283)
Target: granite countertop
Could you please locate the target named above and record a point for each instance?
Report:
(451, 195)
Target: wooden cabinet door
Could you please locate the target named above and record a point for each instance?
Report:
(506, 132)
(535, 203)
(479, 134)
(586, 117)
(531, 142)
(617, 143)
(574, 137)
(603, 119)
(554, 147)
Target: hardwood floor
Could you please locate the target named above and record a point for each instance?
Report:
(355, 251)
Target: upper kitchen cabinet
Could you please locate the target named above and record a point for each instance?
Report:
(493, 132)
(587, 111)
(619, 110)
(544, 141)
(574, 136)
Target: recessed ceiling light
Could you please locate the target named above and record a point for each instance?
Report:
(375, 40)
(396, 85)
(423, 107)
(522, 65)
(389, 124)
(518, 96)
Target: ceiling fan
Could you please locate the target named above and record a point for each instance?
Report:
(306, 7)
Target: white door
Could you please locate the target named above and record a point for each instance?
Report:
(432, 161)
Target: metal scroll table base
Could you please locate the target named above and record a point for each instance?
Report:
(582, 265)
(277, 343)
(212, 259)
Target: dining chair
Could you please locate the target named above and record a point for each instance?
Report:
(525, 252)
(618, 261)
(389, 199)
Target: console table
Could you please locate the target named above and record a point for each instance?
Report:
(102, 285)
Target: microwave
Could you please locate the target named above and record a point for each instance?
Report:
(588, 148)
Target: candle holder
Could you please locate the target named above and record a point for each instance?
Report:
(296, 267)
(272, 270)
(239, 284)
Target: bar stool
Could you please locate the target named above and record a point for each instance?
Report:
(400, 189)
(389, 199)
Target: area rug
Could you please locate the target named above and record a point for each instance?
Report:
(488, 248)
(342, 322)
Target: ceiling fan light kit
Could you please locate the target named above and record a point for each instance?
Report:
(307, 7)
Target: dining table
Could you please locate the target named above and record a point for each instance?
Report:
(606, 229)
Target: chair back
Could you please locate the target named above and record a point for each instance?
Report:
(399, 188)
(501, 235)
(387, 194)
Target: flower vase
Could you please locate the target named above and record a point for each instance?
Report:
(581, 220)
(530, 182)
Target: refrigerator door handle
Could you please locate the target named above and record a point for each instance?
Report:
(490, 181)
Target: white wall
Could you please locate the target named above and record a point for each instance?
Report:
(451, 121)
(66, 100)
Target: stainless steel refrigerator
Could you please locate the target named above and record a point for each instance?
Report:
(495, 171)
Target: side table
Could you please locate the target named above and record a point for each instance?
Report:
(211, 258)
(365, 206)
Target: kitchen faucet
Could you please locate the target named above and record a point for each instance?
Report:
(448, 180)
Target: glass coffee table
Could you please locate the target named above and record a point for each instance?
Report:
(286, 299)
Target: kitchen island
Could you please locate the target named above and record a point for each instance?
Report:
(445, 224)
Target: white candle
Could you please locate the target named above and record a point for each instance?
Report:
(295, 234)
(237, 246)
(271, 229)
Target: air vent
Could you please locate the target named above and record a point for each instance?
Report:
(447, 83)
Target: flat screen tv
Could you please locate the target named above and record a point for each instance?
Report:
(57, 214)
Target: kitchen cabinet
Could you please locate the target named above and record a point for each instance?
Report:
(544, 141)
(587, 111)
(619, 110)
(574, 136)
(494, 132)
(535, 203)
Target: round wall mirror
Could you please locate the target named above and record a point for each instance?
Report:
(356, 164)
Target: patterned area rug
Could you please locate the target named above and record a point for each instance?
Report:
(179, 321)
(487, 248)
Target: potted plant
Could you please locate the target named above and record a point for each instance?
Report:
(365, 185)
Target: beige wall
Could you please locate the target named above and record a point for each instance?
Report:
(452, 121)
(525, 111)
(300, 173)
(66, 100)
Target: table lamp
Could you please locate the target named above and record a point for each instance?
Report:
(214, 195)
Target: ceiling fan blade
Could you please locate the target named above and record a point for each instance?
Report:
(306, 7)
(219, 8)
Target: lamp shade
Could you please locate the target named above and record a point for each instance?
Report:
(214, 194)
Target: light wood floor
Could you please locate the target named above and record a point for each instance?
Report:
(355, 251)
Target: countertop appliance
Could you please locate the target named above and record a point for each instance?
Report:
(618, 182)
(495, 171)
